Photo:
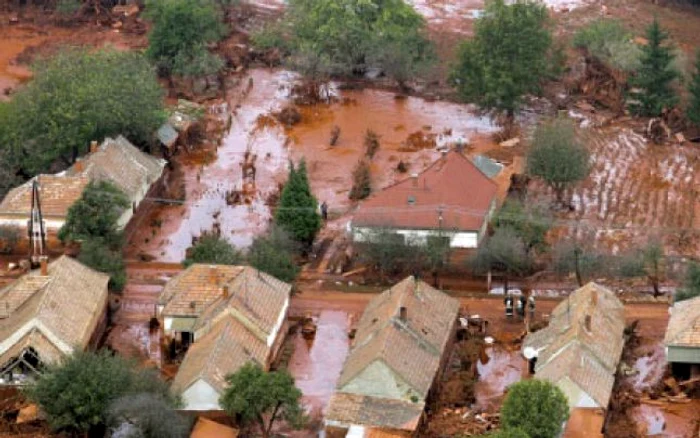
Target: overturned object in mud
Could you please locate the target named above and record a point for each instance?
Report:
(288, 116)
(308, 328)
(657, 131)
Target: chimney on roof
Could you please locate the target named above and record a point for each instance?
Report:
(226, 291)
(414, 179)
(403, 314)
(587, 323)
(44, 264)
(93, 147)
(213, 277)
(78, 166)
(594, 298)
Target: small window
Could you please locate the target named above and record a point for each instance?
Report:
(411, 200)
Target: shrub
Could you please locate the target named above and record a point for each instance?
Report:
(274, 255)
(371, 143)
(149, 415)
(691, 283)
(9, 237)
(537, 407)
(361, 181)
(97, 254)
(213, 249)
(76, 392)
(610, 42)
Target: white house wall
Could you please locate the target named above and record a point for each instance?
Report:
(201, 396)
(463, 239)
(49, 224)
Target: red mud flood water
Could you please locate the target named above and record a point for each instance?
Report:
(316, 364)
(501, 369)
(396, 121)
(671, 421)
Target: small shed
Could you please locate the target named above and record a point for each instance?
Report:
(682, 338)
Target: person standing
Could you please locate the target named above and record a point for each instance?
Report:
(324, 211)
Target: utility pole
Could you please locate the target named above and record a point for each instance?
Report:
(35, 228)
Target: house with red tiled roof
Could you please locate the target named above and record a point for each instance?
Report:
(451, 199)
(231, 315)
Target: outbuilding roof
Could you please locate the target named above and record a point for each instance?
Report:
(451, 194)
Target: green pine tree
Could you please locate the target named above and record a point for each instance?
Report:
(656, 74)
(694, 90)
(297, 212)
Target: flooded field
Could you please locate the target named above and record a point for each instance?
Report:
(410, 130)
(316, 364)
(501, 369)
(671, 421)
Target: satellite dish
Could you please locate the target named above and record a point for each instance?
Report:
(529, 353)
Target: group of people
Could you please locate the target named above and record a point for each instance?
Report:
(518, 304)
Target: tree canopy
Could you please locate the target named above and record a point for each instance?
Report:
(537, 407)
(95, 214)
(101, 257)
(507, 58)
(297, 211)
(530, 222)
(182, 29)
(260, 397)
(213, 249)
(691, 283)
(655, 76)
(76, 393)
(147, 415)
(273, 254)
(503, 252)
(76, 97)
(694, 91)
(557, 157)
(646, 261)
(356, 34)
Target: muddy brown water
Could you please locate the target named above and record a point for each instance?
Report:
(330, 168)
(500, 369)
(316, 365)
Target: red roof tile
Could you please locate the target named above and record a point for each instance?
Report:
(452, 185)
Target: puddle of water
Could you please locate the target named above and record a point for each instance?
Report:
(501, 369)
(316, 366)
(650, 367)
(669, 421)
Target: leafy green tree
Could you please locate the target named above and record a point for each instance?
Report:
(436, 253)
(76, 393)
(694, 91)
(149, 416)
(507, 58)
(76, 97)
(182, 29)
(95, 214)
(530, 222)
(385, 250)
(274, 254)
(260, 397)
(691, 283)
(557, 157)
(297, 212)
(537, 407)
(356, 34)
(655, 76)
(648, 261)
(503, 252)
(100, 257)
(213, 249)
